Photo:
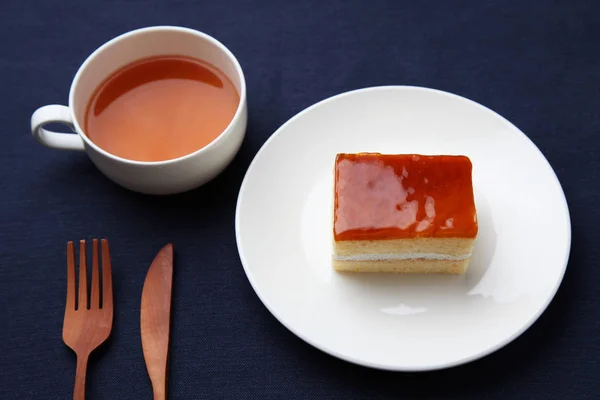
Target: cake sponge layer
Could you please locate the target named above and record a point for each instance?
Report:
(447, 246)
(410, 266)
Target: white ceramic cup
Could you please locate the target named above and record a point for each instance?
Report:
(162, 177)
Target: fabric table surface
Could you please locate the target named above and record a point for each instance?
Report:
(536, 63)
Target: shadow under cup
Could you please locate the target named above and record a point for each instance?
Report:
(170, 176)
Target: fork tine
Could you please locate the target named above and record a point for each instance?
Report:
(83, 303)
(107, 290)
(70, 277)
(95, 298)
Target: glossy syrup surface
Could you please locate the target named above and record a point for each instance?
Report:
(381, 196)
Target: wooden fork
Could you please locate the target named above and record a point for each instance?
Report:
(87, 326)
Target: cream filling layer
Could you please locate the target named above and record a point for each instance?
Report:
(402, 256)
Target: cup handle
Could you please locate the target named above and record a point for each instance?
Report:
(55, 114)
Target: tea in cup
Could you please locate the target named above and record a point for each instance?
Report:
(159, 110)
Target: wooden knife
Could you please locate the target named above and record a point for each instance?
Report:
(155, 319)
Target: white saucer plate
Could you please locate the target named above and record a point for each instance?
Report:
(401, 322)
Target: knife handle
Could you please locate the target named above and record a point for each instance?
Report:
(156, 354)
(156, 363)
(159, 391)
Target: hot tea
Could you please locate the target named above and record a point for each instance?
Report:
(160, 108)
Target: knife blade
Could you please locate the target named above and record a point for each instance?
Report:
(155, 319)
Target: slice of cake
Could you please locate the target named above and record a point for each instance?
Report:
(403, 213)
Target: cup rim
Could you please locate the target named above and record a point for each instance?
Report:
(234, 121)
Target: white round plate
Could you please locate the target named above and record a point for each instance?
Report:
(401, 322)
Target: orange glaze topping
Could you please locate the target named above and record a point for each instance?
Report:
(382, 196)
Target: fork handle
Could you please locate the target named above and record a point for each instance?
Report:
(79, 391)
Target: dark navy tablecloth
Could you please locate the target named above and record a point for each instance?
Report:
(537, 63)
